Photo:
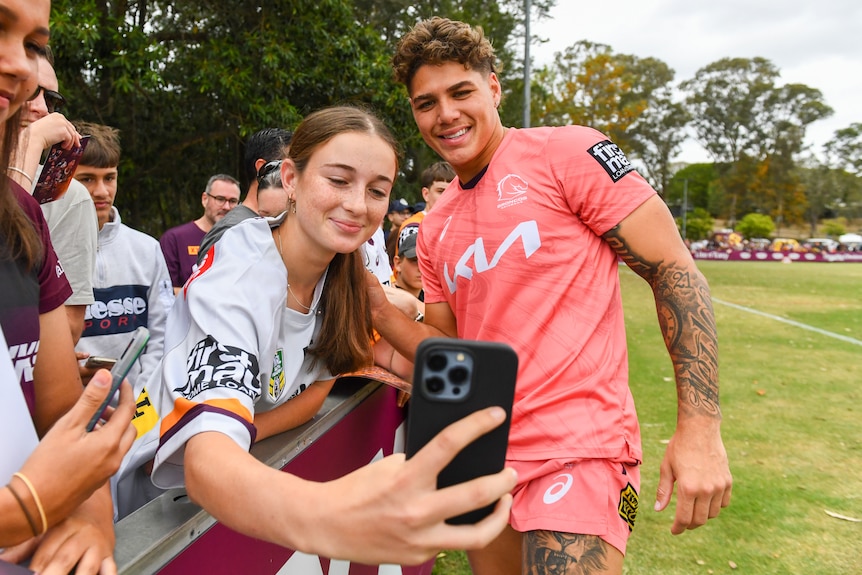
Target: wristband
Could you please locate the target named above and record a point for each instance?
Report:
(24, 509)
(35, 495)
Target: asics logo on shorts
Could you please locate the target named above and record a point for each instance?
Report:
(558, 489)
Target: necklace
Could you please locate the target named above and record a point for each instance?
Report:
(290, 291)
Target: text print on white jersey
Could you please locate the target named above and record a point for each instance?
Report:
(527, 232)
(212, 364)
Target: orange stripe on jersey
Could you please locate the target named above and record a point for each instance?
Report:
(182, 406)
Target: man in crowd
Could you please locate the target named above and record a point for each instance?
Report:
(180, 244)
(523, 248)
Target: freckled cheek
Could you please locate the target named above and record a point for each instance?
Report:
(377, 213)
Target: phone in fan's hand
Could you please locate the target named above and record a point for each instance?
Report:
(121, 369)
(58, 170)
(453, 378)
(94, 362)
(13, 569)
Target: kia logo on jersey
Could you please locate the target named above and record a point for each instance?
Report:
(117, 309)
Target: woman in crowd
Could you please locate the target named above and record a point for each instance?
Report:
(56, 503)
(276, 309)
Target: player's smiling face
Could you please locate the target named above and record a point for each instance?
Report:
(455, 109)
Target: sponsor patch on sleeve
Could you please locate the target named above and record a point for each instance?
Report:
(212, 364)
(611, 158)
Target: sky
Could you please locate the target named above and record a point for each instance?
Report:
(813, 42)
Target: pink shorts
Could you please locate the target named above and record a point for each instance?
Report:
(586, 497)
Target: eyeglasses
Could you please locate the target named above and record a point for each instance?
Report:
(267, 169)
(54, 101)
(222, 200)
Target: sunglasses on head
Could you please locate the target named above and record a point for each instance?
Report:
(267, 169)
(54, 101)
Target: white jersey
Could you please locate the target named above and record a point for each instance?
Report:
(232, 348)
(375, 258)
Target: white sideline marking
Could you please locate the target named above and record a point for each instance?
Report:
(791, 322)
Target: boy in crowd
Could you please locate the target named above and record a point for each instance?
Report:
(132, 287)
(523, 248)
(409, 276)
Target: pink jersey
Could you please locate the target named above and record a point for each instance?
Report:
(520, 259)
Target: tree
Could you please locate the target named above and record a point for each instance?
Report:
(845, 148)
(696, 184)
(186, 83)
(588, 84)
(742, 118)
(658, 135)
(698, 225)
(756, 226)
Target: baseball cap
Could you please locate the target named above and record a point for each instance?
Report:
(399, 205)
(407, 247)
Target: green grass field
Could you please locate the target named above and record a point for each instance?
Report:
(792, 425)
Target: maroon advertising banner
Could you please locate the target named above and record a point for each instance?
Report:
(369, 432)
(786, 257)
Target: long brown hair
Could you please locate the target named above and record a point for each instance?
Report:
(344, 342)
(18, 238)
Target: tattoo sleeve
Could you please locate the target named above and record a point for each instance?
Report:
(687, 323)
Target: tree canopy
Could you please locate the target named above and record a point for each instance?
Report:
(187, 83)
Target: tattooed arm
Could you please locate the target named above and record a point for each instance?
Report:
(649, 243)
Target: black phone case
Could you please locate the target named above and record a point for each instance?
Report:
(492, 382)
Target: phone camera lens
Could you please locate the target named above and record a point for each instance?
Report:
(458, 375)
(434, 384)
(437, 362)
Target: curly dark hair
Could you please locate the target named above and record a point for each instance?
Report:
(439, 40)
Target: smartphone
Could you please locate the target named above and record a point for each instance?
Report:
(57, 172)
(121, 369)
(94, 362)
(453, 378)
(13, 569)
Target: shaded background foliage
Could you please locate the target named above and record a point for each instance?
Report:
(188, 82)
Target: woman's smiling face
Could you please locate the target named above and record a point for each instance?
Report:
(343, 194)
(23, 38)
